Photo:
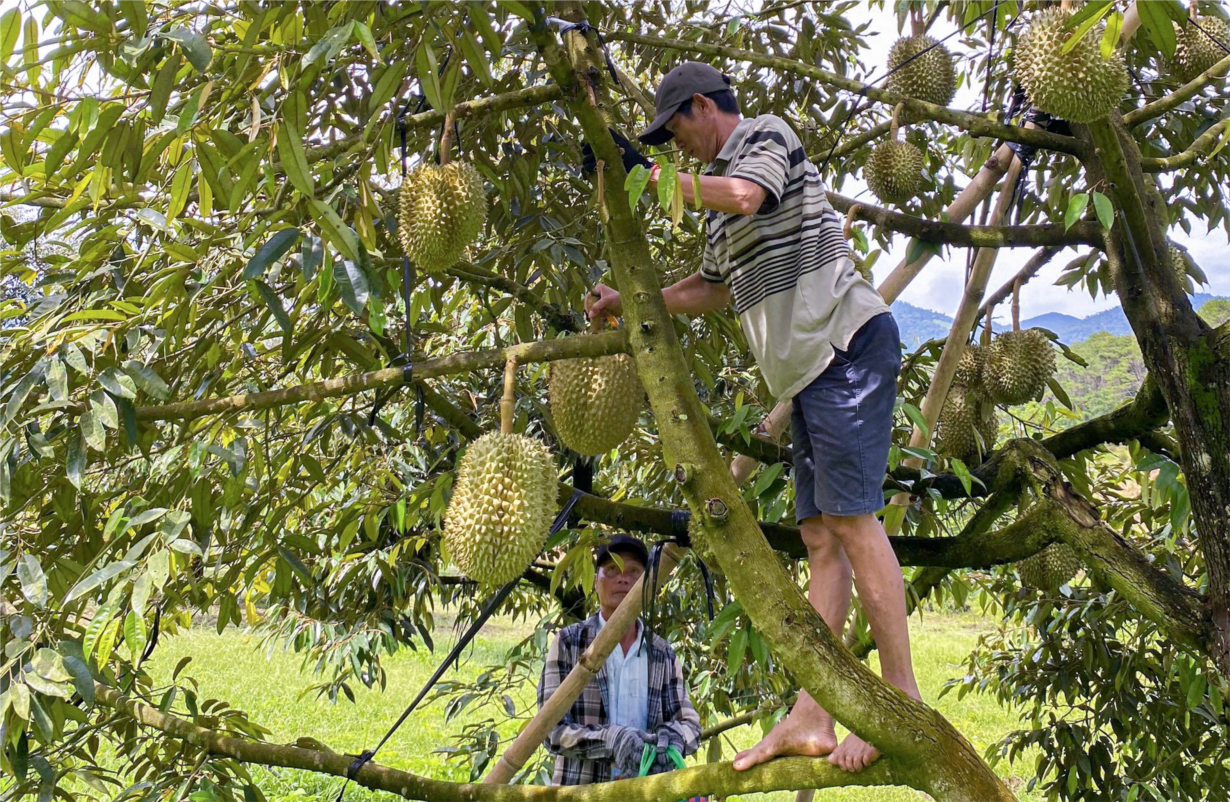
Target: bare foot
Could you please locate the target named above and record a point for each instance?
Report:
(806, 731)
(854, 754)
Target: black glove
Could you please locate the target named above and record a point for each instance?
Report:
(631, 156)
(627, 746)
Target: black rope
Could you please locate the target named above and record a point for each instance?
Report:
(1211, 37)
(681, 535)
(585, 27)
(488, 609)
(862, 93)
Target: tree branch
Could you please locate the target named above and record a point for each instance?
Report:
(786, 774)
(1199, 146)
(1048, 234)
(974, 124)
(1176, 98)
(1027, 271)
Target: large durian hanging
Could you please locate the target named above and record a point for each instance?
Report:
(930, 77)
(503, 502)
(441, 211)
(967, 427)
(1055, 565)
(969, 369)
(894, 170)
(1079, 86)
(595, 401)
(1194, 51)
(1018, 366)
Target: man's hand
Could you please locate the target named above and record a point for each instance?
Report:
(631, 156)
(602, 301)
(627, 746)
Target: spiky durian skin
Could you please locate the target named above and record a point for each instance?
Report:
(1018, 366)
(894, 171)
(1079, 86)
(441, 212)
(502, 505)
(967, 427)
(595, 402)
(969, 369)
(1048, 569)
(932, 77)
(1194, 52)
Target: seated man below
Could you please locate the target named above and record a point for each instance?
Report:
(638, 698)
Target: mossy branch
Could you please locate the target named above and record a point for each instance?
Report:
(973, 123)
(1199, 147)
(786, 774)
(1179, 96)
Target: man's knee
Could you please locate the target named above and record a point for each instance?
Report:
(820, 542)
(847, 529)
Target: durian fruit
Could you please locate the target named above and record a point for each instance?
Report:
(1195, 52)
(595, 401)
(969, 369)
(442, 211)
(932, 77)
(1048, 569)
(1079, 86)
(894, 171)
(863, 267)
(1018, 365)
(502, 505)
(967, 427)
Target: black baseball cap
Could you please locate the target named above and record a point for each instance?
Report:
(677, 88)
(623, 545)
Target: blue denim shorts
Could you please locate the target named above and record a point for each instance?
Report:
(842, 425)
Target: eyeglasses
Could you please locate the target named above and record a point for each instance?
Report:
(611, 571)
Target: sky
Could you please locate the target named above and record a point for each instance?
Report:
(938, 286)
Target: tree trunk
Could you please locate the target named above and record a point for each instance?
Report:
(1180, 351)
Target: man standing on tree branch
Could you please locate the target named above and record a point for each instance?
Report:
(823, 337)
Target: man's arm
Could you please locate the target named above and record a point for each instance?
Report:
(693, 296)
(683, 730)
(730, 195)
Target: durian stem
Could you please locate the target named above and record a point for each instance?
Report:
(894, 131)
(986, 326)
(1065, 5)
(1192, 11)
(918, 26)
(446, 139)
(847, 230)
(1016, 305)
(508, 403)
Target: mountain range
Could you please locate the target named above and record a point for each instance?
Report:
(918, 325)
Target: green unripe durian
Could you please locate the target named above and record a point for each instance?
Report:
(1079, 86)
(1194, 51)
(1018, 366)
(894, 171)
(502, 505)
(595, 402)
(932, 77)
(1048, 569)
(442, 211)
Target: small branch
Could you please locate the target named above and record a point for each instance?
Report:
(973, 123)
(562, 319)
(1028, 271)
(603, 344)
(1199, 147)
(1176, 98)
(1047, 234)
(785, 774)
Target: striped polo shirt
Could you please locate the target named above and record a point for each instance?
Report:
(787, 266)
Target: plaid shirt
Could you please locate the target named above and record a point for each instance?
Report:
(579, 741)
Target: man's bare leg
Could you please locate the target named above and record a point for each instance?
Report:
(881, 591)
(808, 730)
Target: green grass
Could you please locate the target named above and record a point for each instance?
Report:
(268, 687)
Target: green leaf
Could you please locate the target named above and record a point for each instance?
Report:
(1105, 211)
(427, 69)
(1110, 37)
(352, 283)
(49, 665)
(83, 680)
(134, 635)
(21, 392)
(118, 384)
(160, 91)
(386, 86)
(963, 474)
(1076, 208)
(296, 565)
(133, 11)
(1092, 9)
(104, 574)
(10, 29)
(294, 159)
(338, 234)
(33, 580)
(915, 414)
(1091, 14)
(148, 380)
(57, 380)
(475, 56)
(104, 409)
(364, 35)
(635, 184)
(736, 650)
(92, 430)
(195, 47)
(1158, 25)
(75, 459)
(1059, 392)
(274, 249)
(275, 305)
(102, 616)
(667, 177)
(311, 254)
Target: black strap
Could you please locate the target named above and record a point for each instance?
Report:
(681, 535)
(585, 27)
(489, 608)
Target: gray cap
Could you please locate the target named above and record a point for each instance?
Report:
(680, 84)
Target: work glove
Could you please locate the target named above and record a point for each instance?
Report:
(631, 156)
(627, 746)
(665, 739)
